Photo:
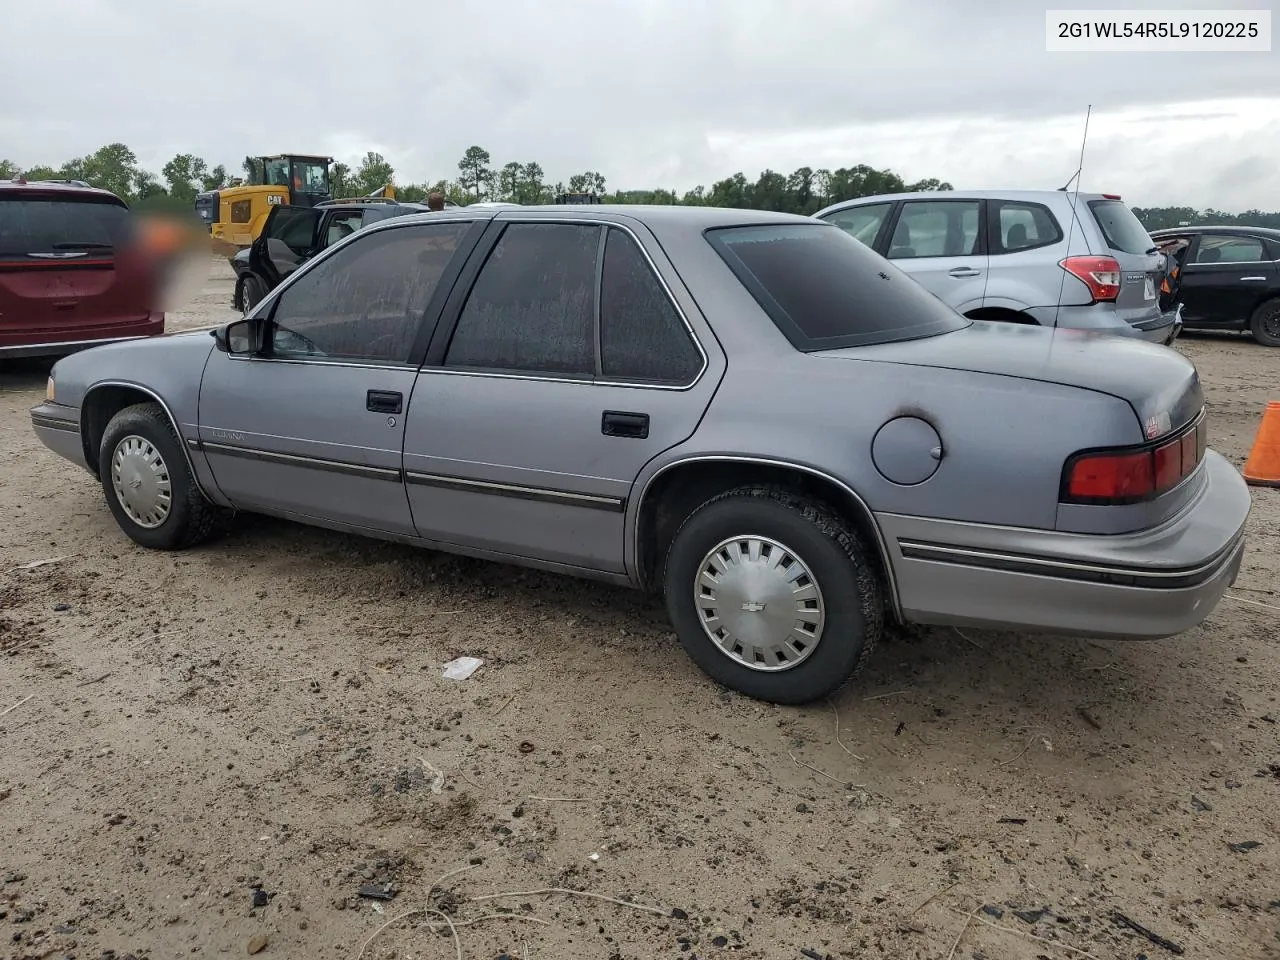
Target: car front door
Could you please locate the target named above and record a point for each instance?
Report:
(312, 425)
(572, 362)
(942, 245)
(289, 237)
(1224, 278)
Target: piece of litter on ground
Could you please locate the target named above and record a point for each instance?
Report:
(437, 775)
(461, 668)
(593, 857)
(41, 563)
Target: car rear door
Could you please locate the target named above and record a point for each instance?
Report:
(1225, 277)
(565, 361)
(942, 245)
(68, 267)
(312, 425)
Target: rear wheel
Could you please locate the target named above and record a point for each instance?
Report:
(773, 594)
(253, 290)
(147, 482)
(1265, 324)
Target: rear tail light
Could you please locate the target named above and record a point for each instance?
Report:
(1112, 477)
(1100, 274)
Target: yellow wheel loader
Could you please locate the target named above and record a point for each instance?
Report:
(235, 214)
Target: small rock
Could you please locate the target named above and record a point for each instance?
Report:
(261, 898)
(62, 607)
(376, 892)
(526, 746)
(1216, 746)
(802, 808)
(719, 941)
(678, 914)
(257, 943)
(518, 811)
(1244, 846)
(1031, 916)
(991, 910)
(1232, 784)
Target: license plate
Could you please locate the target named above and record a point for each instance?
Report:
(1149, 291)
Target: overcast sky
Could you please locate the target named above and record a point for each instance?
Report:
(667, 93)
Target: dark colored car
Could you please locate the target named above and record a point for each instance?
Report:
(70, 274)
(1230, 278)
(293, 235)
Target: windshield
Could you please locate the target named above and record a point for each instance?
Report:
(825, 290)
(1122, 230)
(56, 225)
(310, 177)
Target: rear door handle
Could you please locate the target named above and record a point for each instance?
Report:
(1252, 278)
(618, 423)
(384, 401)
(964, 272)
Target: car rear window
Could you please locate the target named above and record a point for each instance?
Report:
(1122, 230)
(824, 290)
(56, 225)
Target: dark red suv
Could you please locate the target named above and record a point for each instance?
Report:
(71, 272)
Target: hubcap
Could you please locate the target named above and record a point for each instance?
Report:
(759, 603)
(140, 479)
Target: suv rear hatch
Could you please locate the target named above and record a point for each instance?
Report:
(1141, 266)
(68, 268)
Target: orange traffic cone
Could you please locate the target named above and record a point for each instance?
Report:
(1263, 466)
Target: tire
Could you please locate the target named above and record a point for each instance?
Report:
(1265, 323)
(851, 600)
(253, 290)
(142, 433)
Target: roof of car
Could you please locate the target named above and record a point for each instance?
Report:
(1236, 229)
(987, 193)
(693, 217)
(57, 186)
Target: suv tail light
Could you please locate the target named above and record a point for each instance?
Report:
(1113, 477)
(1100, 274)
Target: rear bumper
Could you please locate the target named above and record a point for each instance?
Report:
(58, 428)
(1102, 318)
(60, 343)
(1146, 585)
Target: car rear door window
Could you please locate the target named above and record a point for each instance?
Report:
(1120, 227)
(936, 228)
(367, 301)
(824, 290)
(39, 225)
(862, 223)
(1224, 249)
(1022, 226)
(533, 306)
(642, 336)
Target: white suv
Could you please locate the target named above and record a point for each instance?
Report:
(1014, 255)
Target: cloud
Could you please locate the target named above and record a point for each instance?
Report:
(649, 92)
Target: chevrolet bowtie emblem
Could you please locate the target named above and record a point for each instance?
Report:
(753, 606)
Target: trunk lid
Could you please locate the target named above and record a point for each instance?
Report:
(67, 266)
(1162, 386)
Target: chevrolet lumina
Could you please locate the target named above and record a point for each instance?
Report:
(752, 414)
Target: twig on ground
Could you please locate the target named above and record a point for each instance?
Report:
(1023, 753)
(560, 799)
(295, 679)
(948, 887)
(1255, 603)
(25, 643)
(968, 639)
(571, 893)
(42, 563)
(960, 936)
(1151, 935)
(836, 711)
(801, 763)
(1026, 936)
(463, 774)
(8, 710)
(87, 683)
(886, 696)
(510, 700)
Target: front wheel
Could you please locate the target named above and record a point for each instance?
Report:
(774, 595)
(1265, 323)
(252, 292)
(148, 485)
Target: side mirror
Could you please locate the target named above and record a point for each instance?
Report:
(240, 337)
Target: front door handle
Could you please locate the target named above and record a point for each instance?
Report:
(1253, 278)
(384, 401)
(618, 423)
(964, 272)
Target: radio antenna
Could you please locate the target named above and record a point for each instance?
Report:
(1075, 196)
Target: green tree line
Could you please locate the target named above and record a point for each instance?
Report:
(115, 167)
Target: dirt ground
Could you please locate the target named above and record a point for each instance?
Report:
(209, 750)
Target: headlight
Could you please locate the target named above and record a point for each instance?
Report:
(48, 390)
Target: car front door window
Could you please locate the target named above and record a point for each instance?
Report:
(862, 223)
(366, 302)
